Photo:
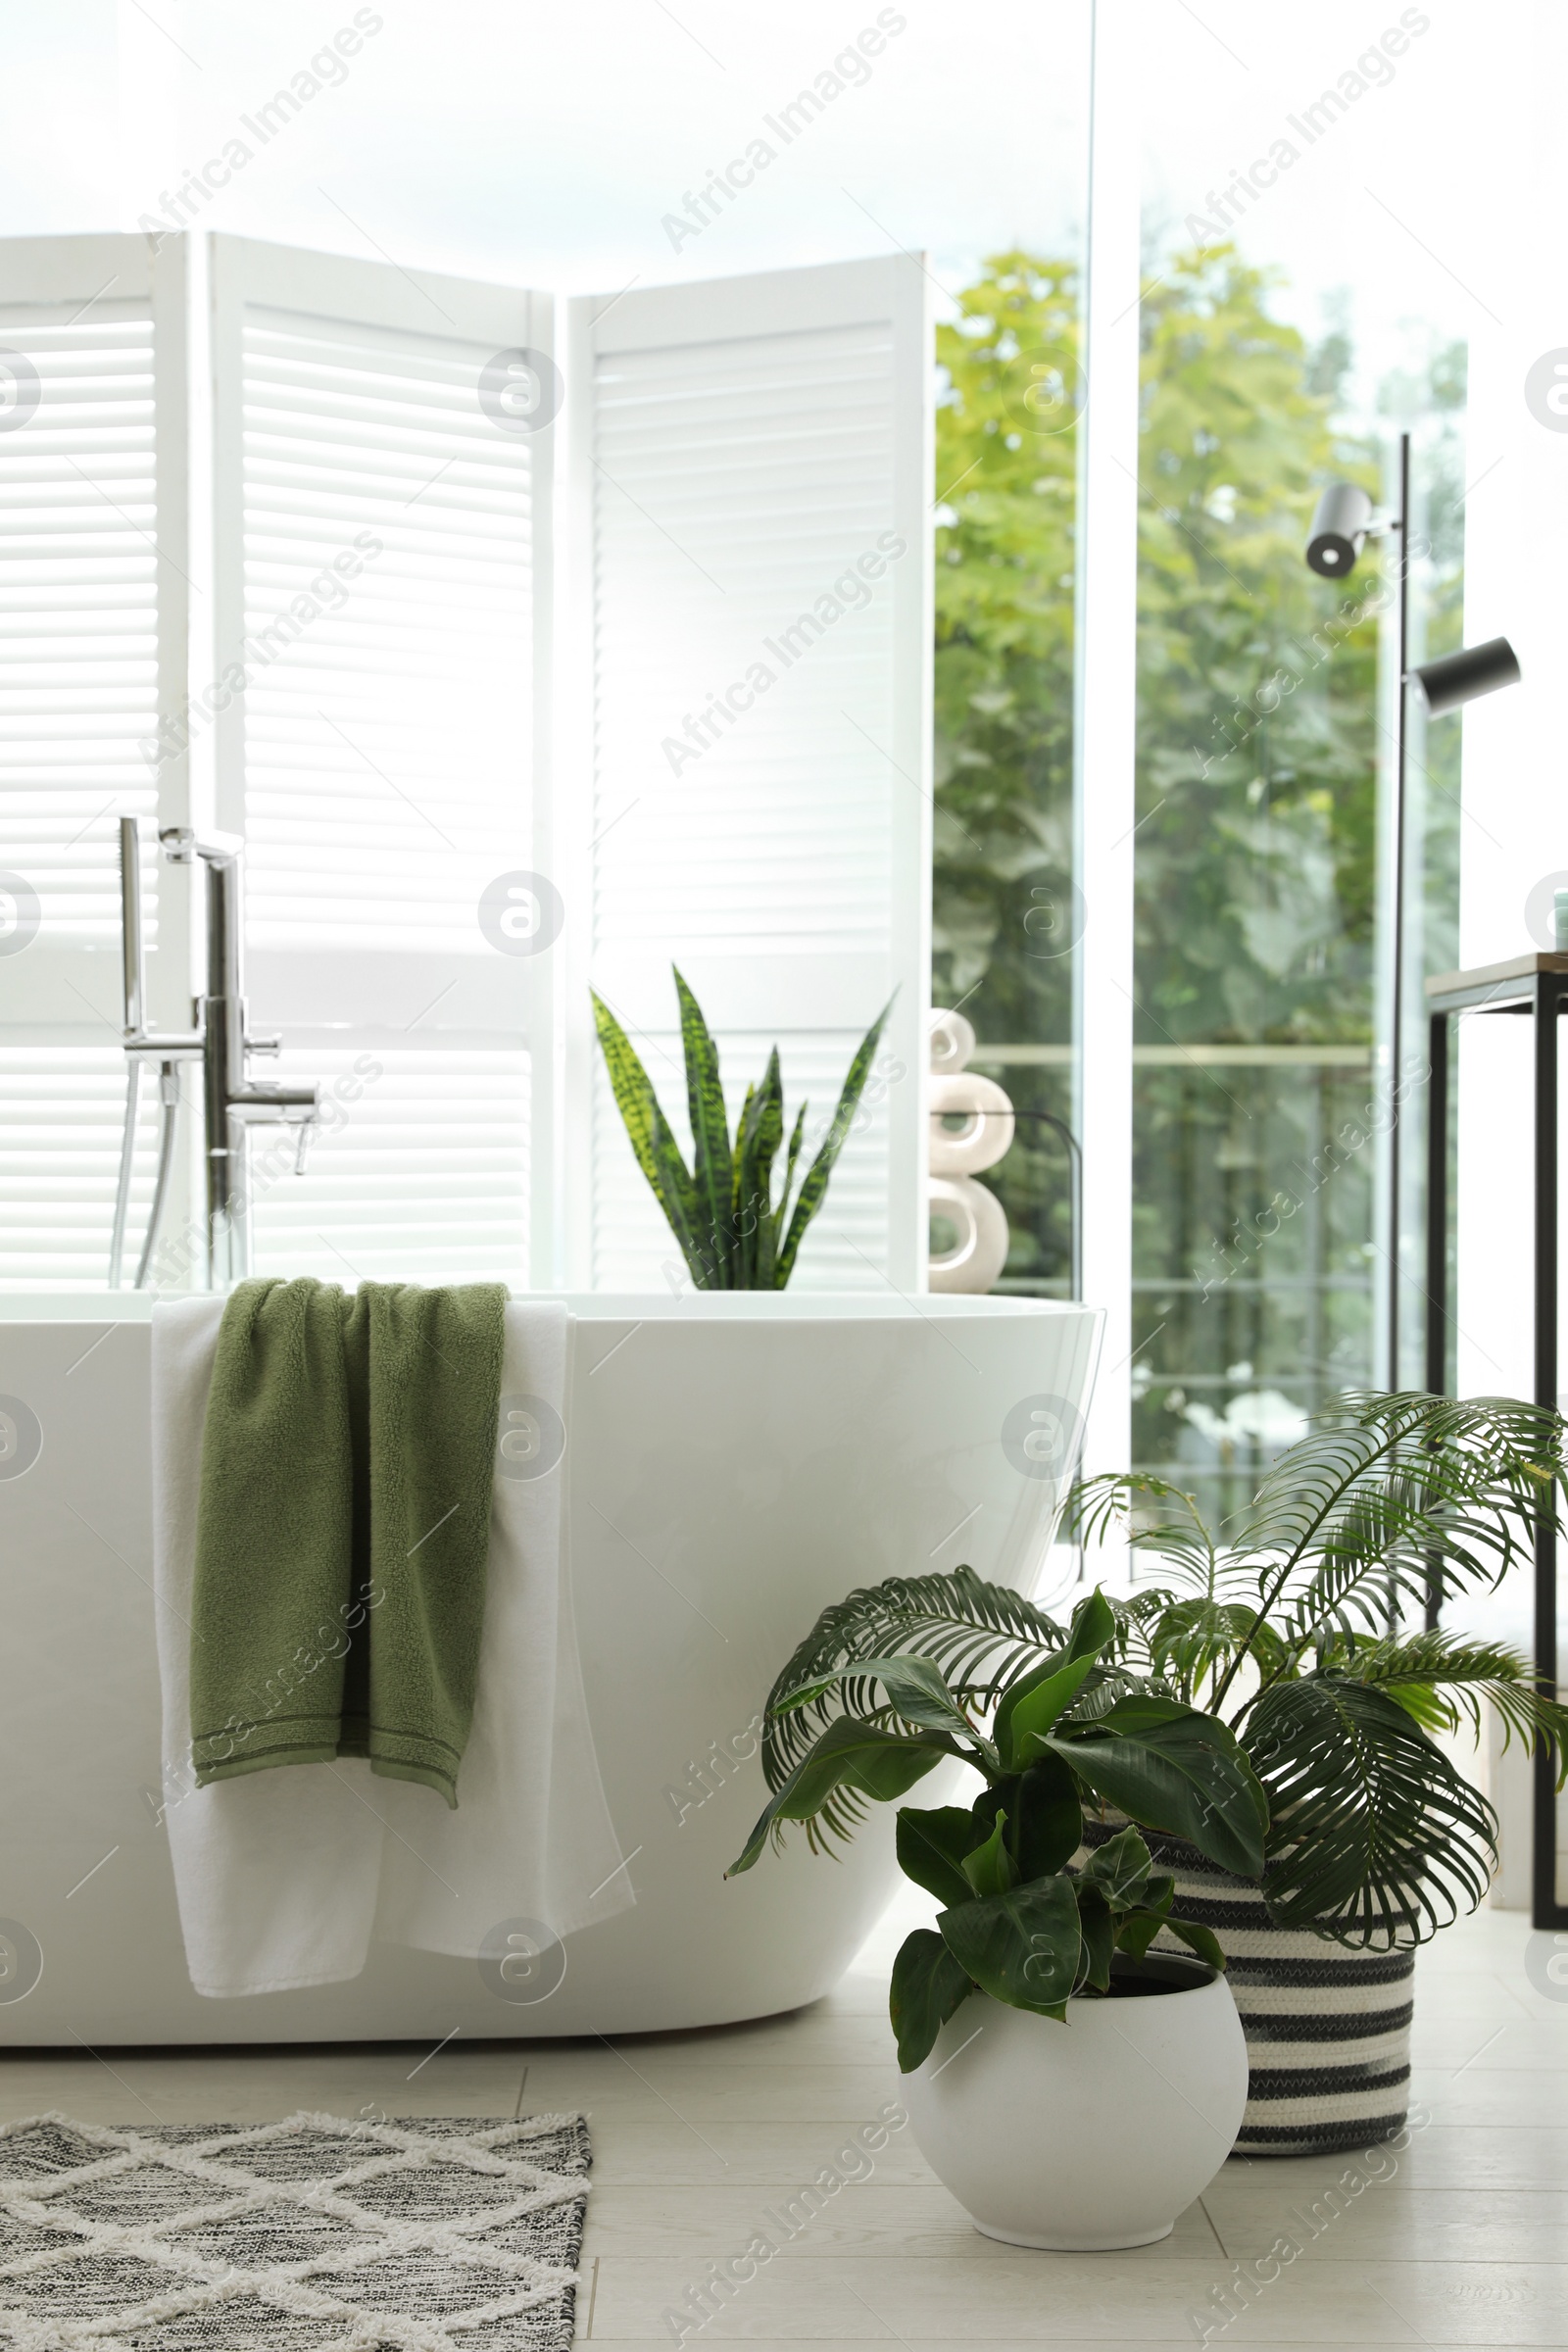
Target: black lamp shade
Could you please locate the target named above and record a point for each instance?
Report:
(1338, 528)
(1459, 678)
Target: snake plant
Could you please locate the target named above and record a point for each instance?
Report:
(1050, 1724)
(1298, 1622)
(733, 1235)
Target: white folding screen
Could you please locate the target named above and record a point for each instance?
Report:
(381, 529)
(94, 586)
(751, 650)
(697, 714)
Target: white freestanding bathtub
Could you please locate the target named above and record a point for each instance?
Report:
(759, 1456)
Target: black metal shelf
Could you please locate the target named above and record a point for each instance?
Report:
(1529, 987)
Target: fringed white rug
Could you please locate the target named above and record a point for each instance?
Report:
(449, 2234)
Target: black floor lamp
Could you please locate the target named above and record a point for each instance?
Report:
(1340, 528)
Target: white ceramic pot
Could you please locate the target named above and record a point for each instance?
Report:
(1090, 2134)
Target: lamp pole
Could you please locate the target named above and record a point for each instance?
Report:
(1340, 528)
(1400, 523)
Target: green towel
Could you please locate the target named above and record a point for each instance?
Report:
(343, 1528)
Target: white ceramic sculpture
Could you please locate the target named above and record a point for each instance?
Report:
(958, 1153)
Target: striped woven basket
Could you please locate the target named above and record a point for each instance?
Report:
(1328, 2030)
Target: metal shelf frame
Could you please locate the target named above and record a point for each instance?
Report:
(1528, 987)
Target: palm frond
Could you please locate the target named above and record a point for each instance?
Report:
(1375, 1840)
(1442, 1679)
(978, 1635)
(1392, 1498)
(1155, 1515)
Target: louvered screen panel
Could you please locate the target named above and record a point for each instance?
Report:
(737, 483)
(91, 651)
(387, 736)
(758, 512)
(78, 604)
(416, 1176)
(383, 766)
(62, 1113)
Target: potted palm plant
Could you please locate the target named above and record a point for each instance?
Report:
(1024, 2121)
(1300, 1624)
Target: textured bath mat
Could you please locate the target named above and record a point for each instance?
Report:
(446, 2235)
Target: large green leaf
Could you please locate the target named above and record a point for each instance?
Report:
(657, 1152)
(1375, 1838)
(1021, 1948)
(1120, 1870)
(989, 1868)
(1027, 1713)
(1199, 1940)
(932, 1844)
(815, 1184)
(1096, 1931)
(710, 1124)
(918, 1693)
(1048, 1820)
(849, 1755)
(1093, 1626)
(928, 1986)
(1175, 1770)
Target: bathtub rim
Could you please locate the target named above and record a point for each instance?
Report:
(614, 1306)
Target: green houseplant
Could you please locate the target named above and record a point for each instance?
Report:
(899, 1679)
(1299, 1623)
(733, 1234)
(1066, 1730)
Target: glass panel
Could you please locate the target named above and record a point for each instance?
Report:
(1004, 891)
(1275, 361)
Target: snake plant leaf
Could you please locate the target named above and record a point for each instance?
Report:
(782, 1213)
(928, 1986)
(1173, 1774)
(1021, 1948)
(849, 1755)
(710, 1124)
(757, 1140)
(932, 1844)
(657, 1152)
(821, 1169)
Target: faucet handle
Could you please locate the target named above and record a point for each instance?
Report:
(302, 1148)
(266, 1040)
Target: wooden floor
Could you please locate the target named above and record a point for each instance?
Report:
(1460, 2239)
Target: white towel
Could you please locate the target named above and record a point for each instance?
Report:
(286, 1878)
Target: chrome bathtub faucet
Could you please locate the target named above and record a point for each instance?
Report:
(232, 1101)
